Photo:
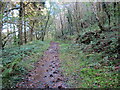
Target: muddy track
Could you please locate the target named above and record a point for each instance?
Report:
(47, 73)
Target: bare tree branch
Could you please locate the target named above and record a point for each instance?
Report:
(11, 9)
(8, 35)
(16, 8)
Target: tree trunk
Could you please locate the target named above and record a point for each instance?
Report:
(97, 18)
(76, 18)
(118, 10)
(61, 25)
(69, 18)
(25, 34)
(107, 13)
(0, 35)
(31, 33)
(14, 34)
(1, 24)
(44, 32)
(43, 35)
(20, 24)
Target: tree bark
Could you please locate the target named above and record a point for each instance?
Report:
(14, 34)
(97, 18)
(61, 25)
(20, 42)
(69, 18)
(25, 34)
(76, 18)
(44, 32)
(107, 13)
(1, 35)
(1, 23)
(31, 33)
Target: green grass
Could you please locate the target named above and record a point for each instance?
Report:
(86, 70)
(17, 61)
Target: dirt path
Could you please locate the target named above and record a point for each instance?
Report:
(47, 73)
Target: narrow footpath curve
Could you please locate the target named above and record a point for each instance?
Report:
(47, 73)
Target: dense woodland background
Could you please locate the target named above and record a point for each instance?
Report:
(88, 33)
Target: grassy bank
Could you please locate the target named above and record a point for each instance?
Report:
(86, 70)
(17, 61)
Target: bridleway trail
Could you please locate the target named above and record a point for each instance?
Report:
(47, 73)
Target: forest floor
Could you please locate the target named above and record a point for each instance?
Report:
(47, 73)
(92, 62)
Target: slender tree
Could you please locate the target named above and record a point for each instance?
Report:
(20, 42)
(1, 23)
(97, 17)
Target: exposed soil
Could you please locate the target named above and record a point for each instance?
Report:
(47, 73)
